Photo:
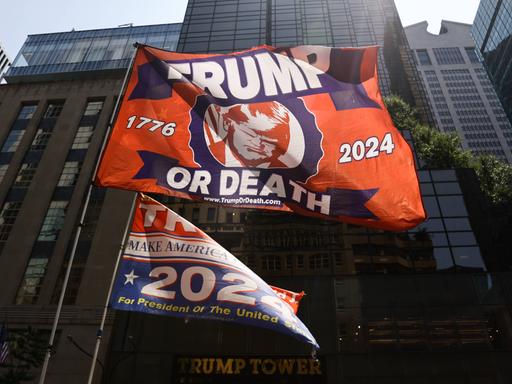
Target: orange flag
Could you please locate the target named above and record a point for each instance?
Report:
(301, 129)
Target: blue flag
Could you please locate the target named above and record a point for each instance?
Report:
(170, 267)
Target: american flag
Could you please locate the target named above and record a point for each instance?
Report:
(4, 344)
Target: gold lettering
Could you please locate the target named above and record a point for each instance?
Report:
(286, 366)
(208, 366)
(182, 363)
(255, 363)
(230, 366)
(225, 368)
(239, 365)
(266, 370)
(314, 367)
(302, 368)
(195, 366)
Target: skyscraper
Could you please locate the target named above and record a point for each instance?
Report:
(55, 109)
(225, 26)
(459, 89)
(418, 306)
(492, 31)
(376, 301)
(86, 54)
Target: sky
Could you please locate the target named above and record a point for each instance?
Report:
(24, 17)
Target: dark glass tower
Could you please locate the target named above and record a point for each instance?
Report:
(230, 25)
(492, 31)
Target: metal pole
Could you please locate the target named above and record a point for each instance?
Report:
(49, 350)
(99, 334)
(63, 291)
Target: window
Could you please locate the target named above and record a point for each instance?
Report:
(93, 108)
(443, 258)
(41, 140)
(8, 216)
(25, 175)
(27, 111)
(338, 259)
(448, 56)
(86, 129)
(83, 137)
(13, 141)
(35, 271)
(70, 173)
(319, 261)
(340, 293)
(431, 206)
(3, 171)
(448, 188)
(93, 214)
(195, 214)
(211, 214)
(82, 250)
(53, 221)
(115, 48)
(289, 261)
(271, 263)
(423, 57)
(452, 206)
(300, 261)
(97, 49)
(461, 238)
(468, 257)
(32, 281)
(53, 110)
(473, 57)
(77, 53)
(250, 261)
(444, 175)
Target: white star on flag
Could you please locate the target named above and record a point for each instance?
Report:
(130, 277)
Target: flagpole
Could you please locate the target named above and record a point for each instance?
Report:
(99, 334)
(49, 350)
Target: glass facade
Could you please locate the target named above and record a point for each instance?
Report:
(13, 140)
(461, 94)
(492, 32)
(41, 138)
(82, 251)
(53, 222)
(86, 51)
(448, 56)
(444, 242)
(219, 26)
(423, 57)
(34, 273)
(8, 217)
